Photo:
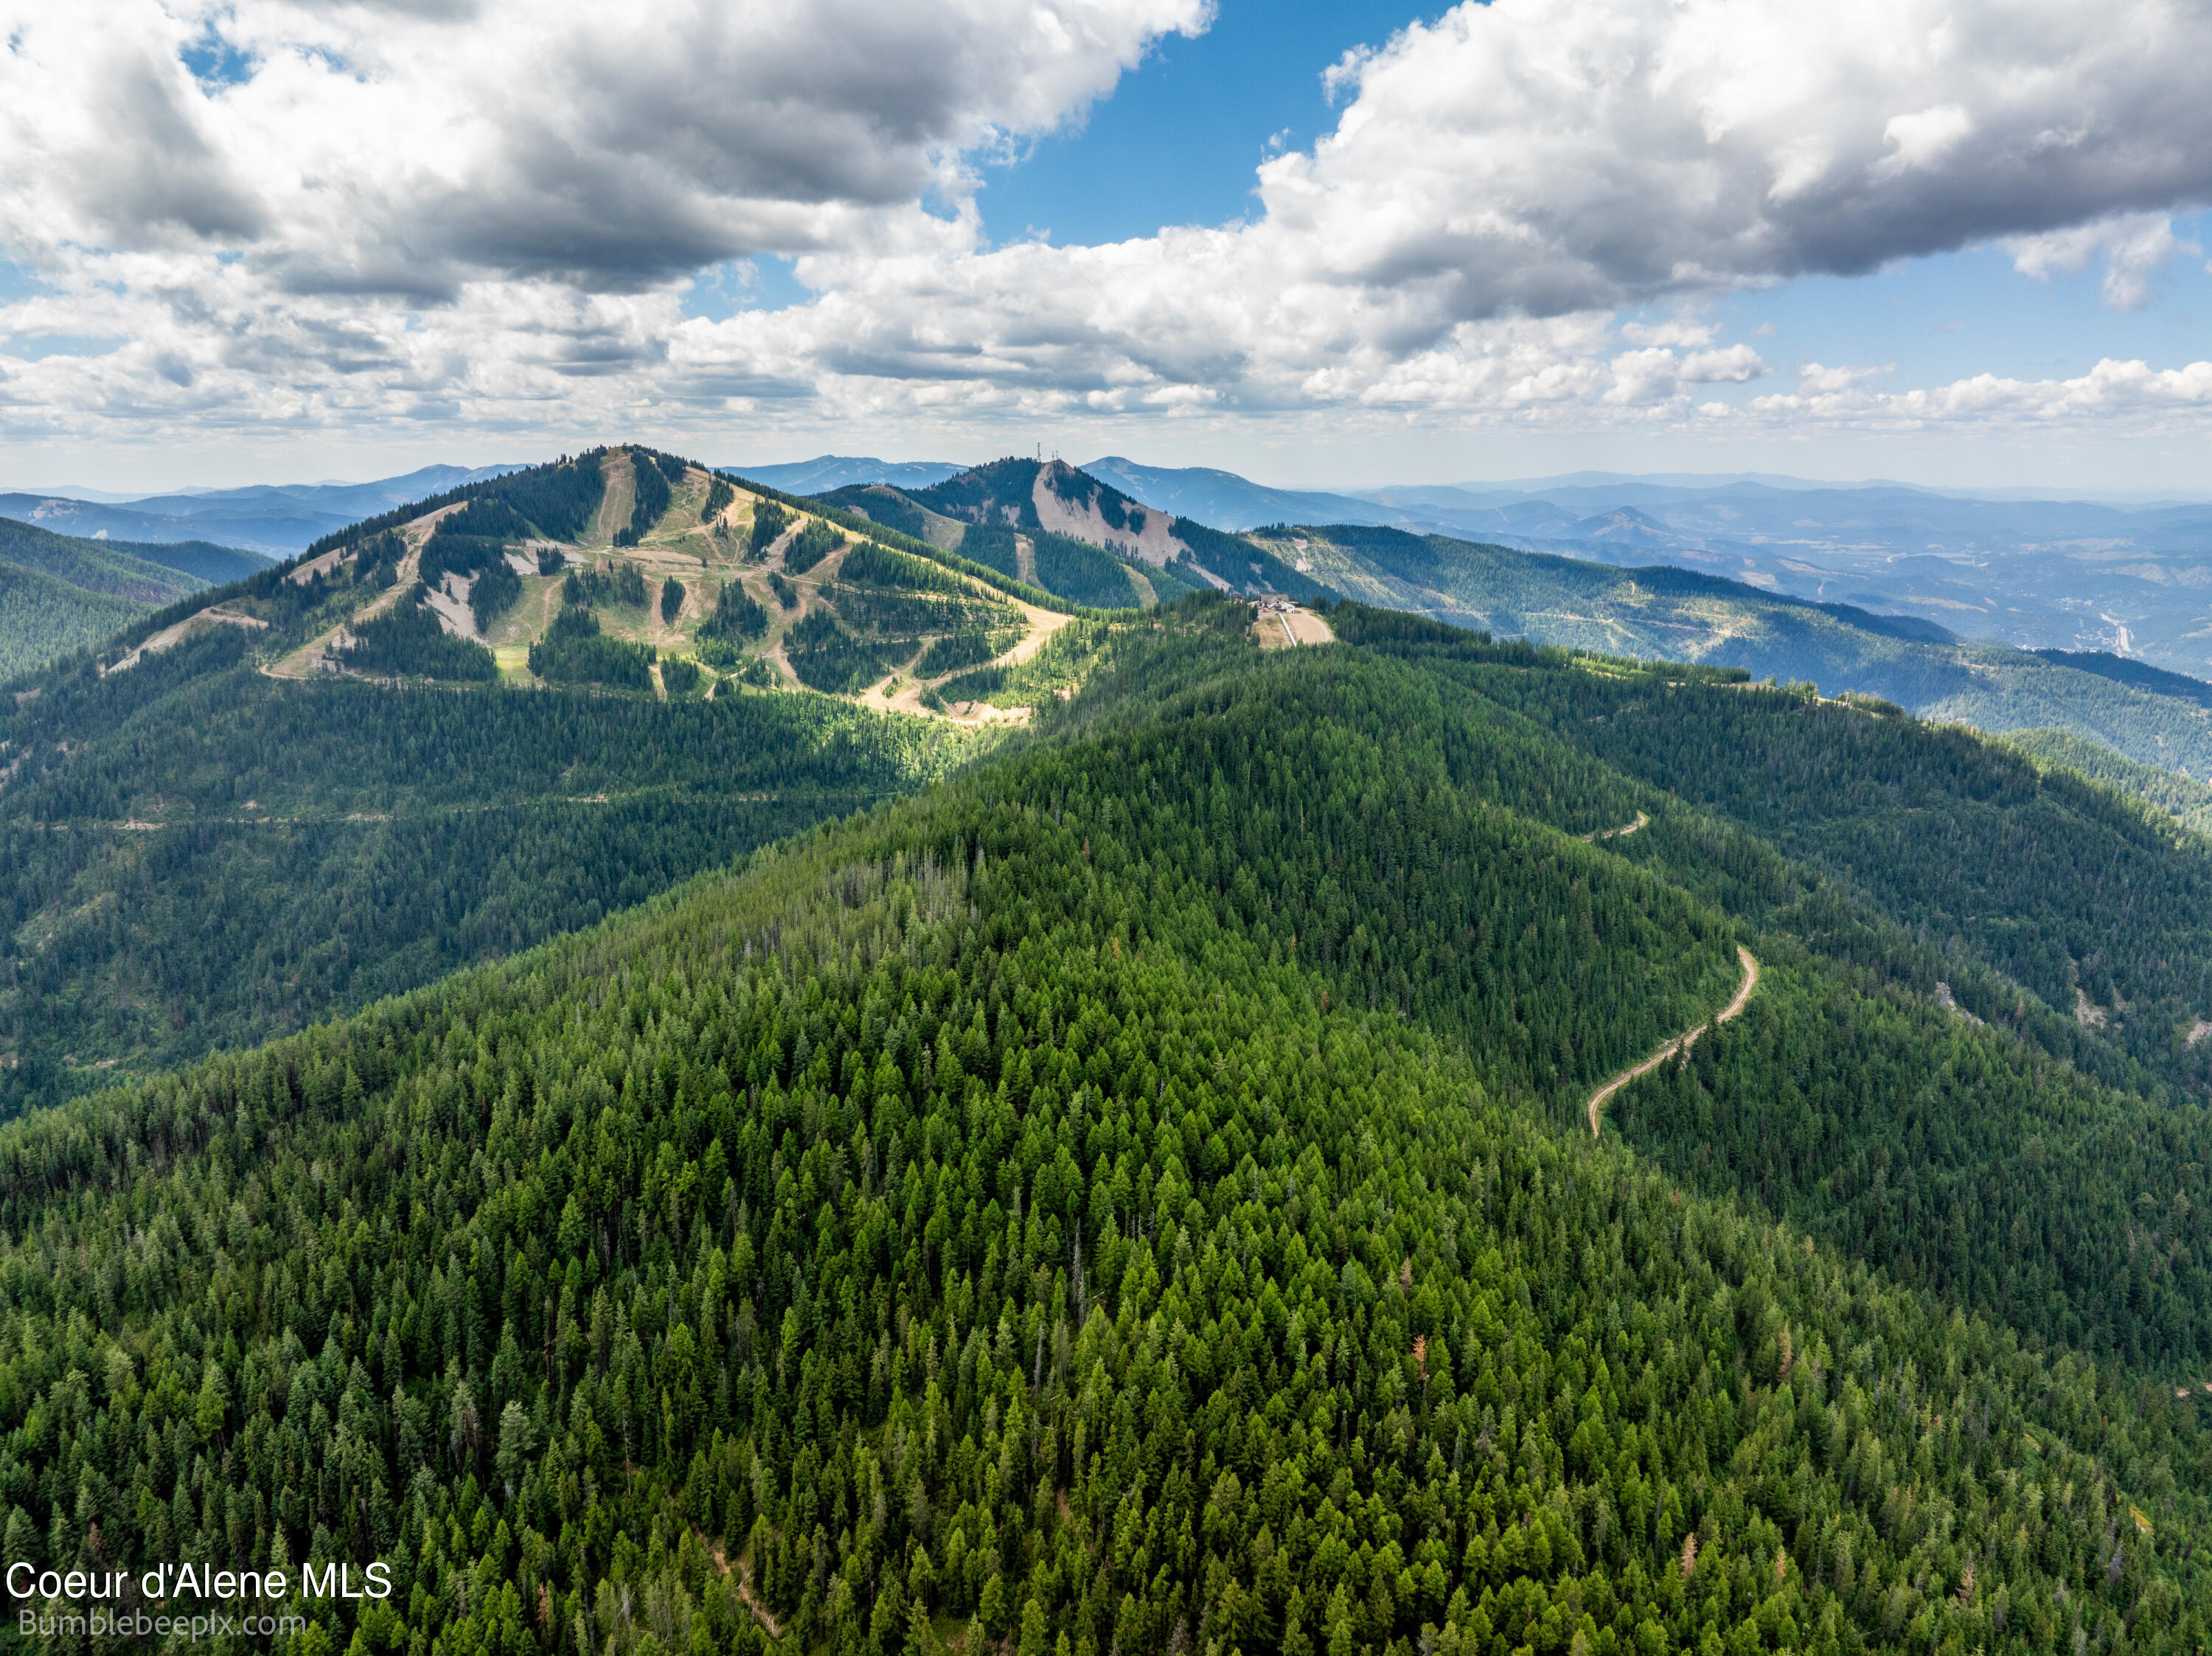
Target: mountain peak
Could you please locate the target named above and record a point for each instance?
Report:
(1052, 497)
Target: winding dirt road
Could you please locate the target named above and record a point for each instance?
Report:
(1680, 1042)
(1620, 832)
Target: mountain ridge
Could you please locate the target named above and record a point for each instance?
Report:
(832, 635)
(1622, 605)
(1136, 1192)
(828, 472)
(2065, 573)
(66, 593)
(2037, 569)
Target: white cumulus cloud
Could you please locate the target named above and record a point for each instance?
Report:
(2118, 395)
(484, 213)
(2136, 247)
(401, 149)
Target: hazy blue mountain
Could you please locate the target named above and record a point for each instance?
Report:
(1226, 501)
(277, 519)
(94, 520)
(77, 492)
(355, 500)
(826, 472)
(2026, 567)
(1667, 479)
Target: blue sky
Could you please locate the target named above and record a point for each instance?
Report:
(1555, 235)
(1178, 142)
(1956, 314)
(1180, 138)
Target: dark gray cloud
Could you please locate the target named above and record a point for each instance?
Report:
(156, 178)
(399, 149)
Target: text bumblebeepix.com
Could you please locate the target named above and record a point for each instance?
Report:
(188, 1601)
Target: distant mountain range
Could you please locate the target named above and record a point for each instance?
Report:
(1662, 612)
(1637, 581)
(833, 472)
(1229, 501)
(2132, 578)
(274, 519)
(1081, 537)
(2022, 567)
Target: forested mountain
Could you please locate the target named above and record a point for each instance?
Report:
(1125, 1179)
(887, 505)
(231, 855)
(273, 520)
(711, 589)
(1669, 614)
(42, 618)
(2168, 792)
(1047, 522)
(2030, 568)
(468, 723)
(147, 572)
(998, 513)
(115, 568)
(62, 592)
(276, 801)
(1135, 1196)
(1913, 887)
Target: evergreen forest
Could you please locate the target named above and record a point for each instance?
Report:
(1134, 1194)
(59, 593)
(197, 855)
(671, 1166)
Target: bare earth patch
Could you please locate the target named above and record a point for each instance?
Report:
(313, 656)
(616, 504)
(1949, 1003)
(1153, 540)
(191, 627)
(1286, 629)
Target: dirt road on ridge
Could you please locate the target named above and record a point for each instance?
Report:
(1620, 832)
(1680, 1042)
(305, 661)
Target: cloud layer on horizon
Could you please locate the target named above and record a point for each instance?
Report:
(476, 214)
